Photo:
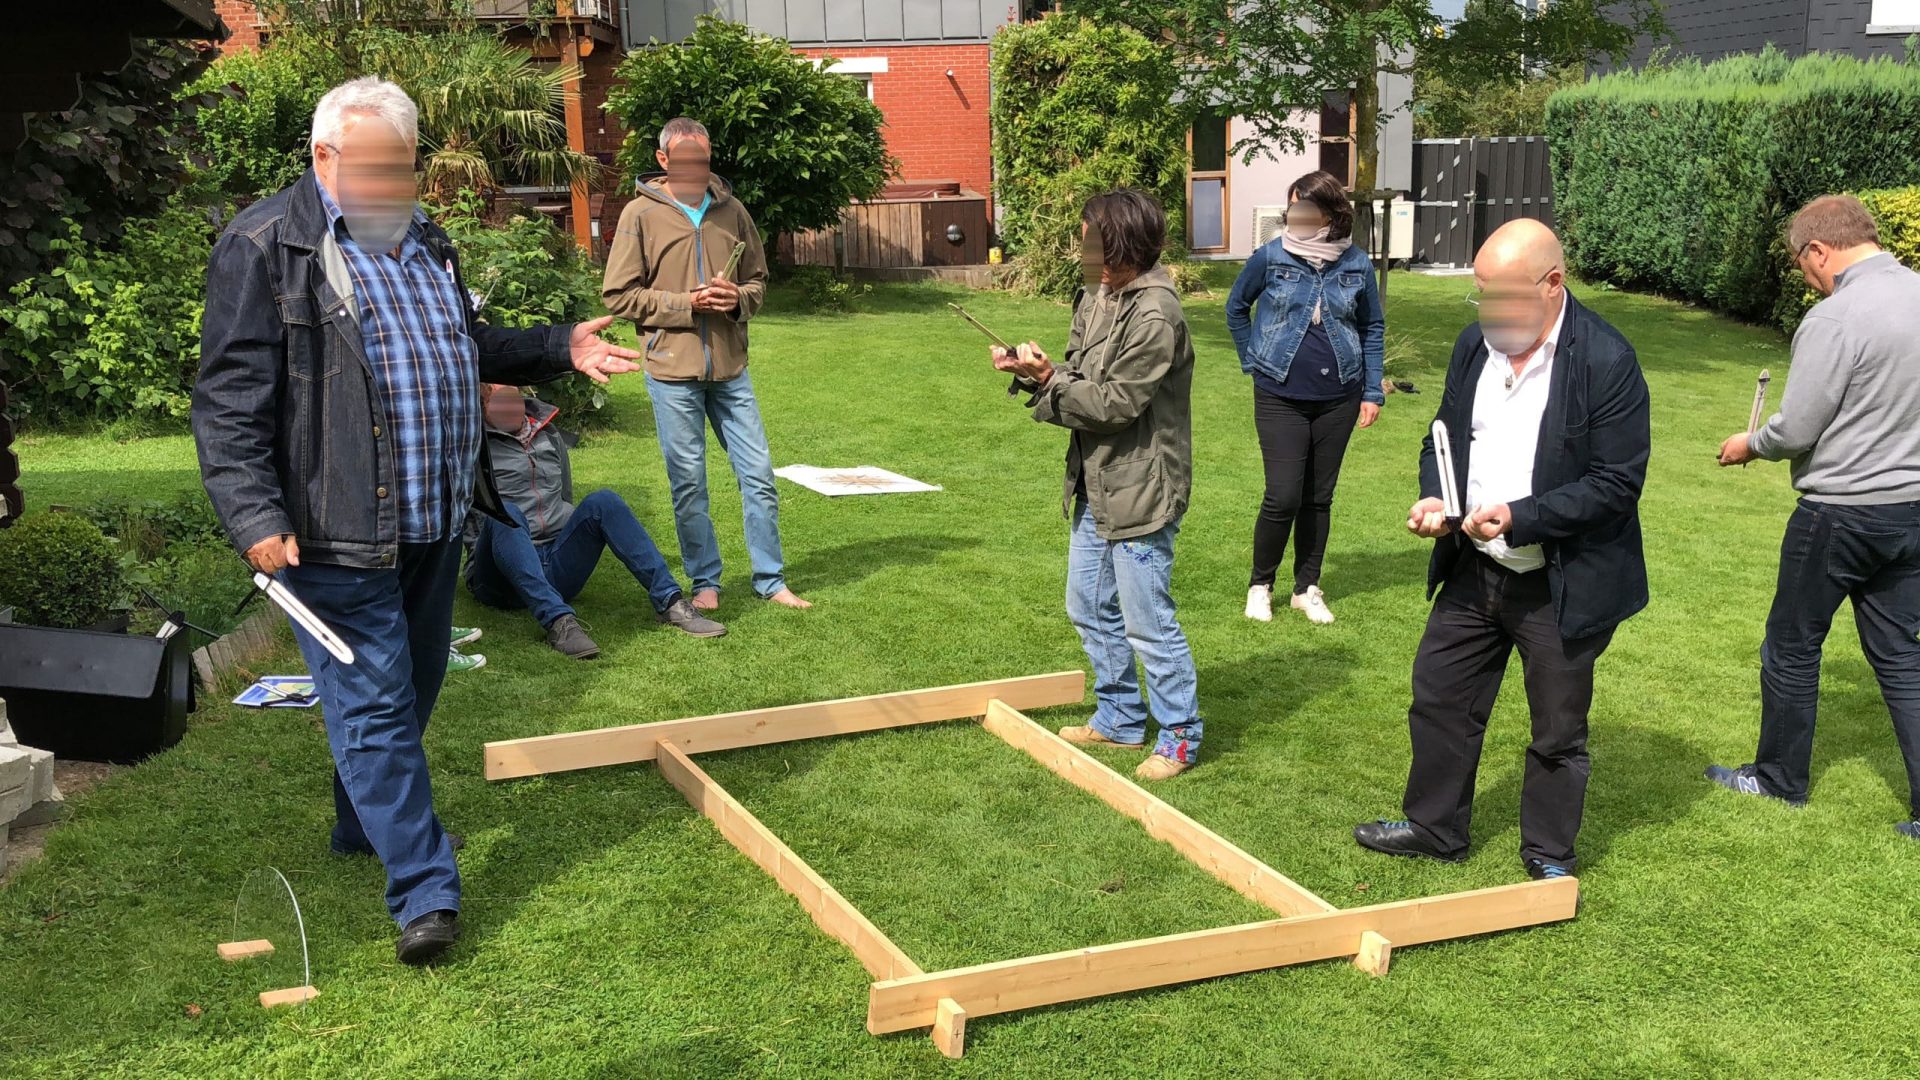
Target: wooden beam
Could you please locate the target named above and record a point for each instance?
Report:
(950, 1028)
(1375, 955)
(241, 950)
(903, 1004)
(830, 911)
(292, 995)
(1247, 875)
(758, 727)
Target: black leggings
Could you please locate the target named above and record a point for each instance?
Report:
(1301, 443)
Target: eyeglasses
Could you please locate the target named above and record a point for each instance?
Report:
(381, 172)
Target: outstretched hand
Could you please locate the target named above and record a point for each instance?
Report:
(595, 356)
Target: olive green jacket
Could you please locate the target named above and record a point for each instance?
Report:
(657, 260)
(1124, 392)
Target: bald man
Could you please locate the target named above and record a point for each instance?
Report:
(1546, 414)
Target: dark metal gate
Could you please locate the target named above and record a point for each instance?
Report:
(1466, 188)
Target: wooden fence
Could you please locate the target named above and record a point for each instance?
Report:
(898, 233)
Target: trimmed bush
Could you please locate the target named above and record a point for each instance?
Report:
(59, 569)
(1679, 179)
(1079, 109)
(1898, 214)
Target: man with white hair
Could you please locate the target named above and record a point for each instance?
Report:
(1546, 415)
(338, 419)
(671, 271)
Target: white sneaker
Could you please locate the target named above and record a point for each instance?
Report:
(1260, 603)
(1314, 603)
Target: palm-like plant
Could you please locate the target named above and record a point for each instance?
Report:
(489, 115)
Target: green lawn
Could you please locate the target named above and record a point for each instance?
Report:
(612, 932)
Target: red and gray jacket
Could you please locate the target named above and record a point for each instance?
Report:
(531, 471)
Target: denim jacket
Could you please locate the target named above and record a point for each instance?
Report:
(287, 417)
(1286, 288)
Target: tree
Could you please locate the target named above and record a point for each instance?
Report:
(1447, 110)
(796, 142)
(1262, 59)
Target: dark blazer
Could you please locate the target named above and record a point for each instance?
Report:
(287, 416)
(1591, 463)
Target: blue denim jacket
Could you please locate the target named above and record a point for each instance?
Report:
(1285, 288)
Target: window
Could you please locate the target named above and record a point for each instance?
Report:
(1894, 17)
(1207, 190)
(863, 68)
(1336, 135)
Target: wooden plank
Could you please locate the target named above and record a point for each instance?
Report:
(904, 1004)
(758, 727)
(1375, 955)
(292, 995)
(1247, 875)
(241, 950)
(829, 910)
(950, 1028)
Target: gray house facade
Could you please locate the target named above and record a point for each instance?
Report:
(1710, 29)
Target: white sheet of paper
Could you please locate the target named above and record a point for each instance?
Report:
(859, 480)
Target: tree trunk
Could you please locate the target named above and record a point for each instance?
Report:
(1366, 132)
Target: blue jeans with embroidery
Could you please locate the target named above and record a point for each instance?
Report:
(1120, 600)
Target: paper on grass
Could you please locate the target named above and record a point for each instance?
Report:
(279, 692)
(859, 480)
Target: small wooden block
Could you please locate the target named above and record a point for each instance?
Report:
(950, 1028)
(292, 995)
(241, 950)
(1375, 954)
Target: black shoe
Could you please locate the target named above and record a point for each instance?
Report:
(427, 937)
(1909, 829)
(567, 636)
(1746, 781)
(1541, 870)
(454, 840)
(682, 615)
(1398, 838)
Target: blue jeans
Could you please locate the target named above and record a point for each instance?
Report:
(511, 571)
(681, 413)
(397, 622)
(1120, 600)
(1832, 552)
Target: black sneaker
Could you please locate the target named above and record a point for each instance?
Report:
(428, 937)
(1746, 781)
(1909, 829)
(1541, 870)
(1398, 838)
(682, 615)
(568, 637)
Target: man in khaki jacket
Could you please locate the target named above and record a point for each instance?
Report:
(668, 272)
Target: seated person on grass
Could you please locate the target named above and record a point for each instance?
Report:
(546, 562)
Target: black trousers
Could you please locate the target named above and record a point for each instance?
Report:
(1301, 444)
(1871, 555)
(1485, 611)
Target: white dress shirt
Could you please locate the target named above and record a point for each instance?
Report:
(1506, 435)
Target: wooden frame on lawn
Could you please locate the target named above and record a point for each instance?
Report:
(903, 996)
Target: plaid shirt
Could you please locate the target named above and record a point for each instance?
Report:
(427, 371)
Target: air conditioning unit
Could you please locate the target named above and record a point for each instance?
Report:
(1268, 222)
(1400, 237)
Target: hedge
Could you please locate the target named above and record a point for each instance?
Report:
(1898, 213)
(1080, 108)
(1679, 179)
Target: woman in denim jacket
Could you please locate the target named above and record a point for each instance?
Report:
(1313, 345)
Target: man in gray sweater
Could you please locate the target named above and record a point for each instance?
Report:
(1850, 425)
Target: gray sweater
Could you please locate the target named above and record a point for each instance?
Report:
(1850, 419)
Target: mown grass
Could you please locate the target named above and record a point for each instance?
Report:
(612, 932)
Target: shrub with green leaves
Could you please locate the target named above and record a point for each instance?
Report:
(1079, 108)
(1679, 179)
(797, 143)
(1896, 211)
(528, 273)
(821, 291)
(112, 332)
(253, 132)
(58, 569)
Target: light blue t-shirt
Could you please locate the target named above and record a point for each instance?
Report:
(697, 212)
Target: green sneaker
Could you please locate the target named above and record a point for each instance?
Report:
(458, 661)
(465, 635)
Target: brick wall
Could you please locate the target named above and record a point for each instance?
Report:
(242, 19)
(936, 126)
